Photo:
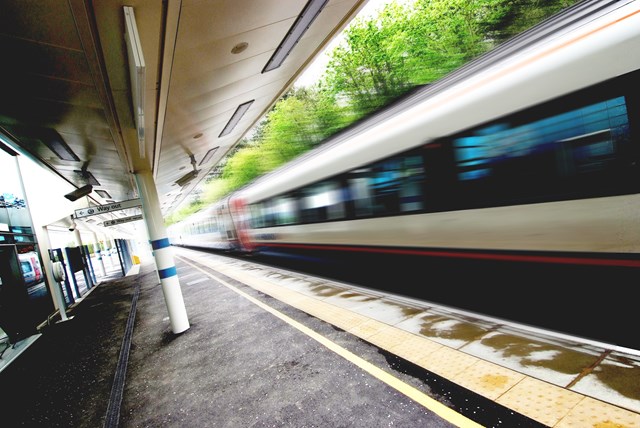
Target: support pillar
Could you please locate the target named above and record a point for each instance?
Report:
(162, 252)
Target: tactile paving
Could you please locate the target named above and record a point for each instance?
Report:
(594, 413)
(447, 362)
(488, 379)
(388, 337)
(540, 400)
(415, 349)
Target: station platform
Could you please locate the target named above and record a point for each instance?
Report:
(270, 347)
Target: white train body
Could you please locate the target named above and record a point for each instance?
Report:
(580, 61)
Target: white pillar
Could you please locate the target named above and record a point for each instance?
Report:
(162, 252)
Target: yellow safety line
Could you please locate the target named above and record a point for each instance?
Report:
(436, 407)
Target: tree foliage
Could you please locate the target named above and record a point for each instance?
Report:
(380, 59)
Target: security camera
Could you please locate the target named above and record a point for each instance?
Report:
(73, 227)
(79, 192)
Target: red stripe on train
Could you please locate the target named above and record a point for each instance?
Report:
(593, 261)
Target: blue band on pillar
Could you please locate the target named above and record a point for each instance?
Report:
(160, 243)
(168, 272)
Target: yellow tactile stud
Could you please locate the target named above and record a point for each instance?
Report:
(415, 349)
(488, 379)
(597, 414)
(313, 306)
(388, 337)
(447, 362)
(342, 318)
(367, 329)
(541, 401)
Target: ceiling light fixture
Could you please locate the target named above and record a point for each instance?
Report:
(302, 23)
(240, 47)
(207, 156)
(136, 72)
(87, 176)
(104, 194)
(237, 115)
(57, 145)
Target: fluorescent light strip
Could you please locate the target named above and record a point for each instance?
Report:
(104, 194)
(61, 149)
(237, 115)
(311, 10)
(89, 177)
(207, 156)
(136, 73)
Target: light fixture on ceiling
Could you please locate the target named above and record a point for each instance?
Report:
(311, 10)
(137, 74)
(87, 176)
(103, 194)
(237, 115)
(185, 179)
(207, 156)
(240, 47)
(57, 145)
(79, 192)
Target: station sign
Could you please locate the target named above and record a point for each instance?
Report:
(122, 220)
(102, 209)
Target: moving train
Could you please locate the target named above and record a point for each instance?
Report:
(516, 176)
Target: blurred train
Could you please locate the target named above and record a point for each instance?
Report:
(518, 175)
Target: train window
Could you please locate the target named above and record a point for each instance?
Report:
(257, 221)
(575, 153)
(385, 184)
(360, 192)
(268, 213)
(322, 201)
(411, 196)
(389, 187)
(285, 210)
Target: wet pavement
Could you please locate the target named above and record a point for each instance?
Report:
(267, 347)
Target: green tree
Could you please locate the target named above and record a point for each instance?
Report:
(368, 69)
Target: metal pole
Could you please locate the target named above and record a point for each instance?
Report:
(162, 252)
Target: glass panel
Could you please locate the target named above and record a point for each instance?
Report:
(360, 192)
(285, 210)
(539, 157)
(411, 194)
(323, 201)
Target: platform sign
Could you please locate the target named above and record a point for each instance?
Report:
(122, 220)
(102, 209)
